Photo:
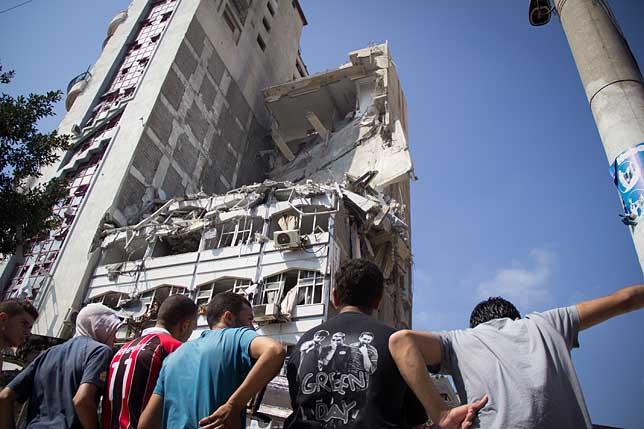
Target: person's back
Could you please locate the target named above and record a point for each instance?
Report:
(349, 385)
(525, 366)
(521, 368)
(341, 373)
(55, 376)
(135, 367)
(63, 382)
(200, 376)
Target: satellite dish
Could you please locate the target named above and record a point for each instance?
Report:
(539, 12)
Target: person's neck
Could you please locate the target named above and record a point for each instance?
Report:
(219, 325)
(2, 344)
(160, 325)
(355, 309)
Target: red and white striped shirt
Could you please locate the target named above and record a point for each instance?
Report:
(133, 374)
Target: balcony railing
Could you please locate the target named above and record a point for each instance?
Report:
(81, 77)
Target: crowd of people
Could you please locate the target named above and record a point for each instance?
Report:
(352, 371)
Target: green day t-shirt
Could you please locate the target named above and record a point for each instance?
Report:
(341, 375)
(202, 374)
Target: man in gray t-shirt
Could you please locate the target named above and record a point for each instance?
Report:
(522, 365)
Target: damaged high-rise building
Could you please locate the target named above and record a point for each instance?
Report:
(207, 159)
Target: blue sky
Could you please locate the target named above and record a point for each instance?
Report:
(514, 195)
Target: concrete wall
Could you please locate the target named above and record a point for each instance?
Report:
(208, 128)
(194, 123)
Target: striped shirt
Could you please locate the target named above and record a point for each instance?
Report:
(133, 374)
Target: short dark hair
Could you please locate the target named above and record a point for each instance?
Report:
(15, 306)
(222, 302)
(493, 308)
(359, 282)
(176, 309)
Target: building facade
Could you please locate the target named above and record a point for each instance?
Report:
(173, 105)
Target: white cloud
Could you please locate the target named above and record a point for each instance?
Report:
(526, 286)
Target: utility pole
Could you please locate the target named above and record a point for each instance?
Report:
(615, 91)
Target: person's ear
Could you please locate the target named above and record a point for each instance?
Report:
(4, 317)
(335, 299)
(228, 319)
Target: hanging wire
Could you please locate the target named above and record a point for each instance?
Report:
(16, 6)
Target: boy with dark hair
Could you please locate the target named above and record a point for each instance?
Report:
(493, 308)
(64, 382)
(220, 371)
(524, 365)
(354, 383)
(135, 367)
(17, 317)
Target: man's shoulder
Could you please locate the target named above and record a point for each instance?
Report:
(84, 344)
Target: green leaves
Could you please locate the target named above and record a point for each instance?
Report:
(24, 151)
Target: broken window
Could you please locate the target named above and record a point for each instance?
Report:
(110, 299)
(235, 232)
(153, 299)
(272, 288)
(307, 284)
(206, 292)
(311, 220)
(117, 252)
(176, 244)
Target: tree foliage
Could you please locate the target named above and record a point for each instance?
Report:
(26, 210)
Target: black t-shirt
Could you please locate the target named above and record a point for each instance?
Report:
(341, 375)
(52, 379)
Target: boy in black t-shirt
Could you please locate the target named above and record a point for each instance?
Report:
(341, 374)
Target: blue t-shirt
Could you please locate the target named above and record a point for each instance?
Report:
(52, 379)
(202, 374)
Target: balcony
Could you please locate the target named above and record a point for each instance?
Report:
(118, 19)
(75, 87)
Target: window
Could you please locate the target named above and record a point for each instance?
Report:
(270, 293)
(206, 292)
(110, 299)
(235, 232)
(309, 284)
(267, 25)
(261, 43)
(232, 23)
(153, 299)
(313, 220)
(270, 8)
(313, 223)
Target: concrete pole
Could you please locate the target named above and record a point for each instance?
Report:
(611, 78)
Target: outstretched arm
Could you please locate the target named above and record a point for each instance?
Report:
(413, 352)
(601, 309)
(269, 356)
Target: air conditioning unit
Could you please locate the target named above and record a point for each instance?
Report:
(266, 312)
(287, 239)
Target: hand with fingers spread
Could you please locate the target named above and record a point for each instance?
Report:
(461, 417)
(225, 417)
